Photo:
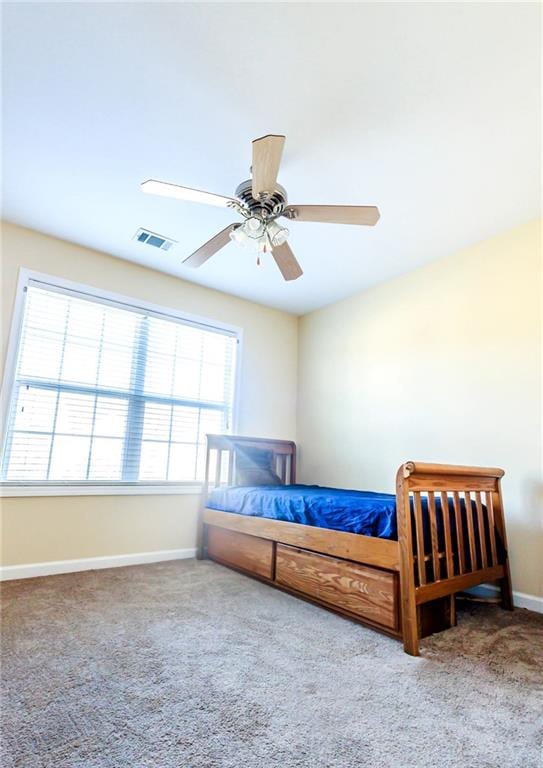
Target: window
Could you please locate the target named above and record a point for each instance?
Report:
(106, 392)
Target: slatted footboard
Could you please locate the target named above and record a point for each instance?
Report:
(451, 532)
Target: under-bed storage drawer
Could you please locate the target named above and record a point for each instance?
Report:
(358, 589)
(248, 553)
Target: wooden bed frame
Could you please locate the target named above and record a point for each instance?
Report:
(402, 588)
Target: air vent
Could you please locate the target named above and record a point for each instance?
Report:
(154, 239)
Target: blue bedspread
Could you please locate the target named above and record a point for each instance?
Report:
(371, 514)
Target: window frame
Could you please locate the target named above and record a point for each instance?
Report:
(112, 488)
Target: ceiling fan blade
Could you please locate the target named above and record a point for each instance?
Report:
(207, 250)
(267, 153)
(334, 214)
(286, 261)
(185, 193)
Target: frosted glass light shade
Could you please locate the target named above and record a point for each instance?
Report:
(278, 234)
(238, 236)
(253, 227)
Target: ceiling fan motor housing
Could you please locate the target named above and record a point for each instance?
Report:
(272, 204)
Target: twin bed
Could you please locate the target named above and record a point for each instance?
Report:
(392, 562)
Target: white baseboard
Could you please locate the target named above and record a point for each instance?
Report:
(520, 599)
(9, 572)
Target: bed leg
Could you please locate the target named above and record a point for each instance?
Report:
(452, 610)
(505, 582)
(410, 636)
(505, 589)
(200, 536)
(200, 552)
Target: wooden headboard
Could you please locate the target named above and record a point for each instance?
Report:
(221, 458)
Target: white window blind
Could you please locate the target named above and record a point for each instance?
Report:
(105, 392)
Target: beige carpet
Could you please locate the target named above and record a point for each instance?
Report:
(190, 665)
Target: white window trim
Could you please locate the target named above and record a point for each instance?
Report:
(100, 489)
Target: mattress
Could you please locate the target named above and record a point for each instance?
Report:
(363, 512)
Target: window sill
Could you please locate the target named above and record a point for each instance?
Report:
(193, 489)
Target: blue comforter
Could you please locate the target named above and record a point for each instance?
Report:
(371, 514)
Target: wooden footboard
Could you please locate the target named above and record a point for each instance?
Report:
(463, 549)
(451, 536)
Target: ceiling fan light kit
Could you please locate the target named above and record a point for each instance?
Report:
(259, 234)
(261, 201)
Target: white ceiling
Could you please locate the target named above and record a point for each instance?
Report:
(431, 111)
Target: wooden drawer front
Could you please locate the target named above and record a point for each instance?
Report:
(367, 592)
(249, 553)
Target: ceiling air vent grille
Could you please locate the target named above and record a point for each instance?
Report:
(154, 239)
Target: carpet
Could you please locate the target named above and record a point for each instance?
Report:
(190, 665)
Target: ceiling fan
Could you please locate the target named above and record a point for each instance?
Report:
(261, 202)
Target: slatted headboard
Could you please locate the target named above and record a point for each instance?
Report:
(221, 458)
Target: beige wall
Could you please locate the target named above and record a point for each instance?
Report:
(57, 528)
(442, 364)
